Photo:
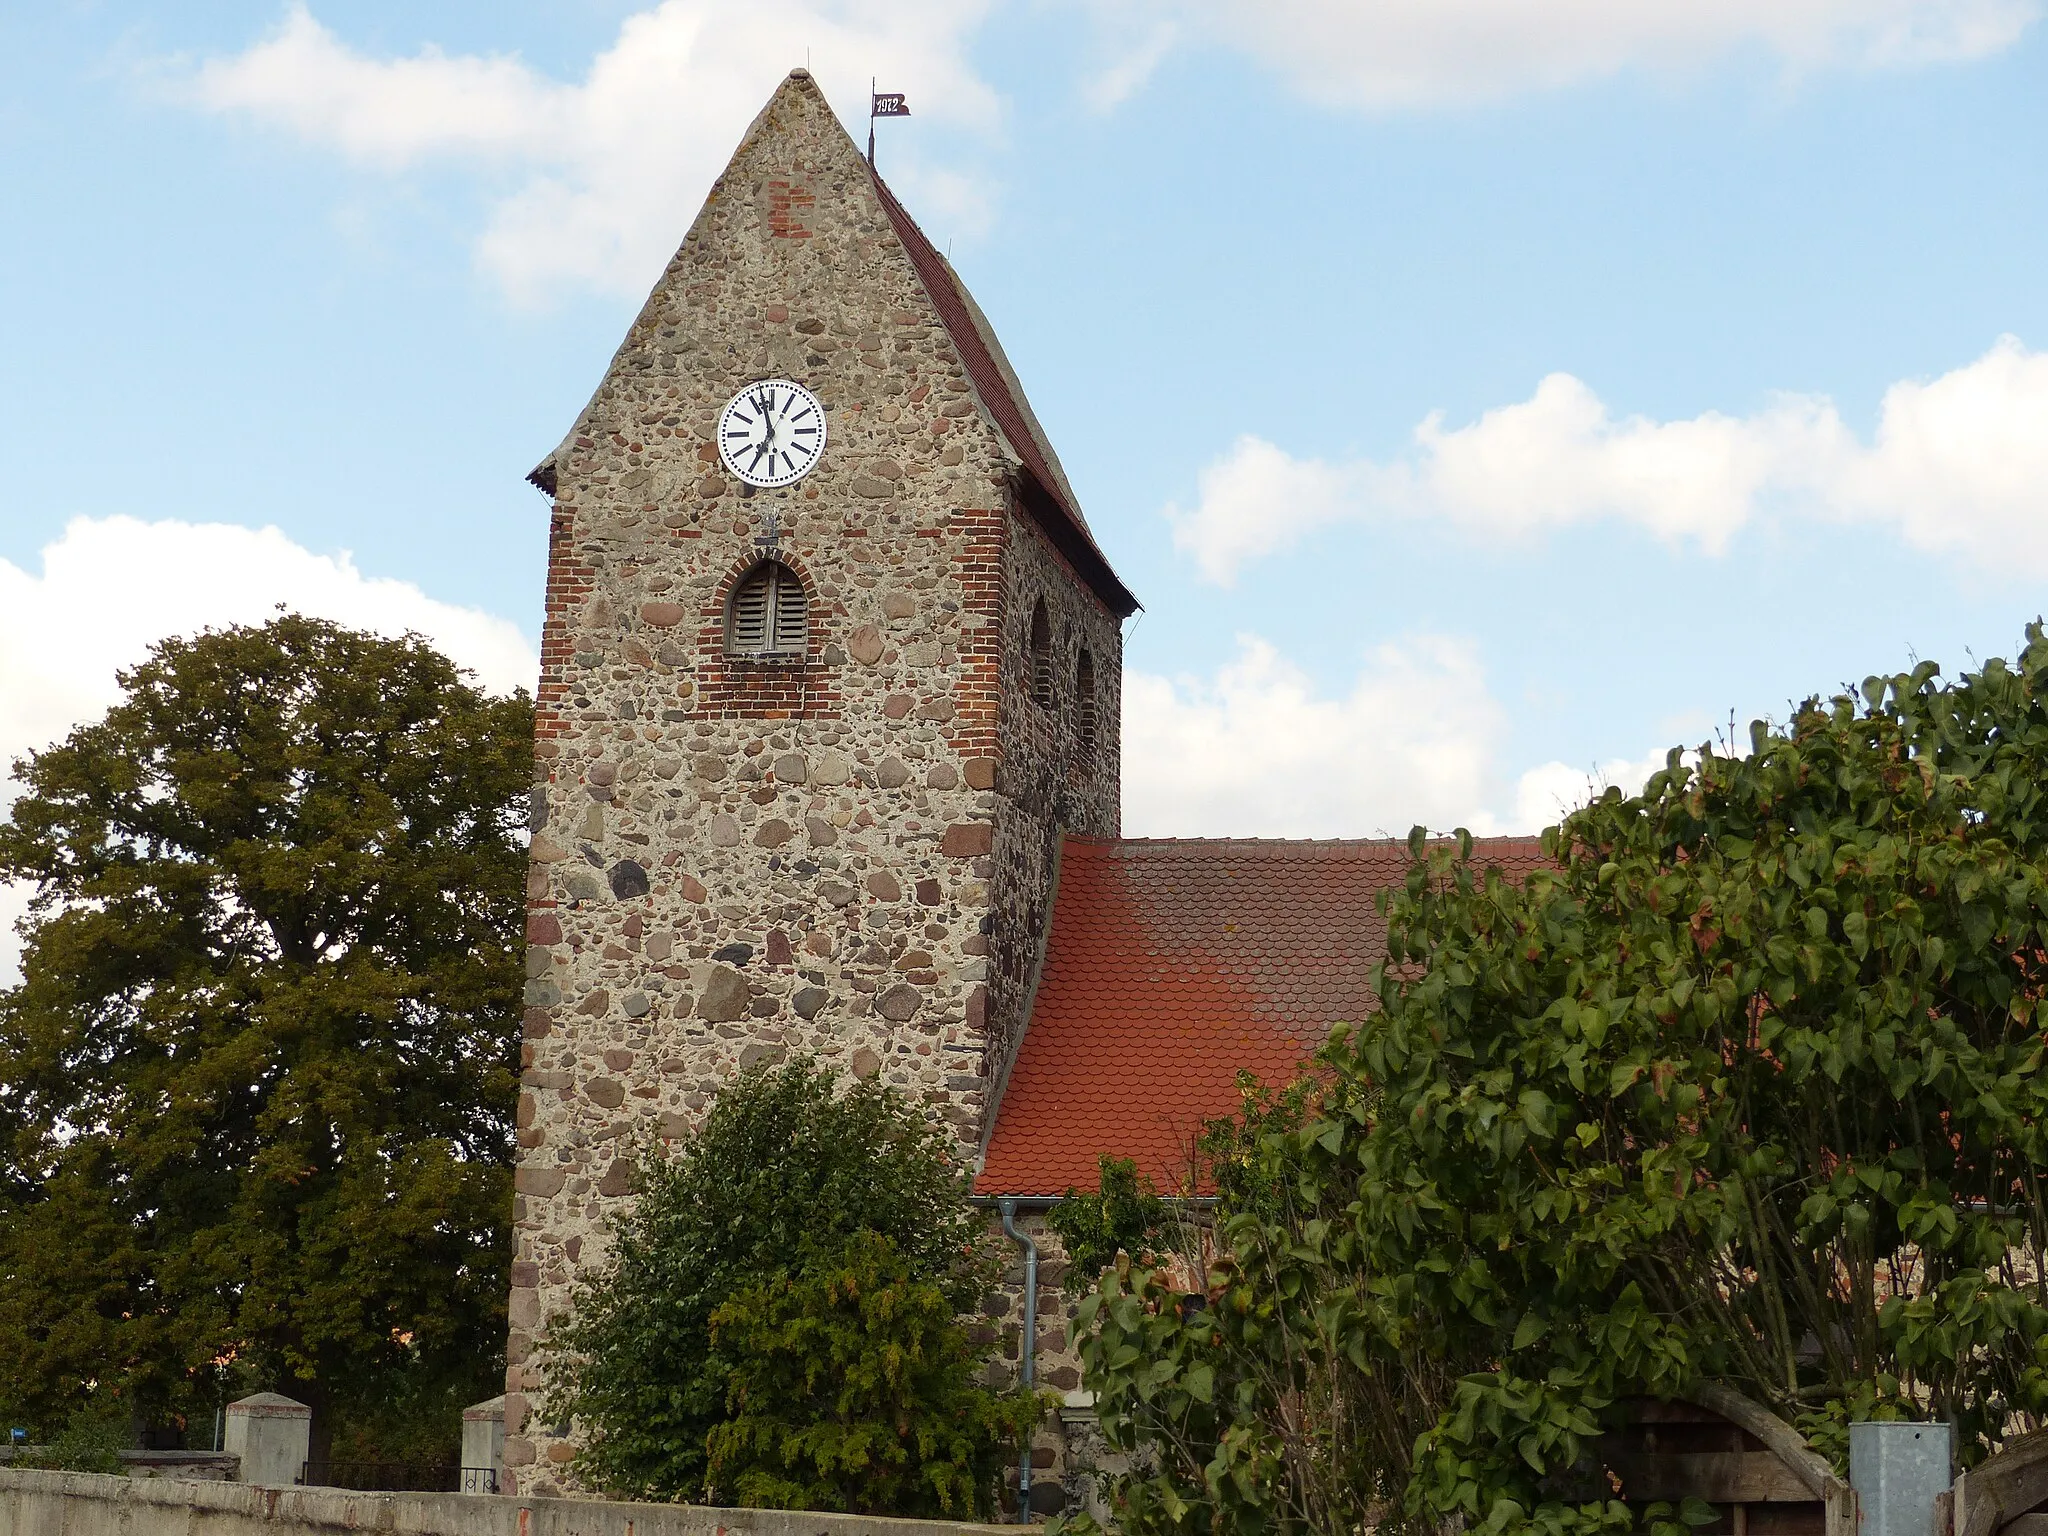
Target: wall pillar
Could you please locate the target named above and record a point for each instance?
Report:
(272, 1435)
(483, 1445)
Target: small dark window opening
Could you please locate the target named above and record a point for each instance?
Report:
(1084, 701)
(1041, 656)
(768, 615)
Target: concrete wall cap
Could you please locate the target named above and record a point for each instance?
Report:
(90, 1504)
(270, 1403)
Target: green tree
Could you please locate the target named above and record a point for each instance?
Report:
(259, 1071)
(1748, 1086)
(759, 1213)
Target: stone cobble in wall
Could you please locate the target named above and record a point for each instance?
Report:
(846, 853)
(1055, 785)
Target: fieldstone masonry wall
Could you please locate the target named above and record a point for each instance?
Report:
(847, 853)
(1068, 1451)
(1045, 775)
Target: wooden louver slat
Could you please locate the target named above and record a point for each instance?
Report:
(788, 628)
(768, 614)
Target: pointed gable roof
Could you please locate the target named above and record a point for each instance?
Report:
(1044, 489)
(1048, 496)
(1172, 966)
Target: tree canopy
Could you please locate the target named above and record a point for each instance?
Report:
(778, 1320)
(258, 1075)
(1747, 1086)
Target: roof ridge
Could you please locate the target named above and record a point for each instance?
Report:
(1282, 847)
(1002, 397)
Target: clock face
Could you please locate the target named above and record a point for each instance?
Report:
(772, 433)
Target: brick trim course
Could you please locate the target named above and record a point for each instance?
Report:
(845, 854)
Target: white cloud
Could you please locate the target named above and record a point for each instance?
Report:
(1259, 500)
(603, 174)
(1546, 794)
(595, 177)
(1560, 457)
(1957, 465)
(1961, 463)
(1257, 751)
(1421, 53)
(141, 582)
(1134, 42)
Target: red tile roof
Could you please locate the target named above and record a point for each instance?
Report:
(1049, 498)
(1174, 964)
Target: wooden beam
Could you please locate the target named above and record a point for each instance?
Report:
(1997, 1492)
(1719, 1477)
(1778, 1437)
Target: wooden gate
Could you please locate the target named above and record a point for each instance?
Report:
(2003, 1495)
(1758, 1472)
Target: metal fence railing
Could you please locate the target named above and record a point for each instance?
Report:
(382, 1476)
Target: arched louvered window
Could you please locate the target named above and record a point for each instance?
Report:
(1084, 701)
(768, 615)
(1041, 655)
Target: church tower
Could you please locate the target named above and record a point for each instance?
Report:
(812, 719)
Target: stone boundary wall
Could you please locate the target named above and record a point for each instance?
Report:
(189, 1466)
(83, 1504)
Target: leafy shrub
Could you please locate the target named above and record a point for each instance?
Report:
(759, 1210)
(1272, 1402)
(852, 1389)
(91, 1440)
(1747, 1086)
(1122, 1214)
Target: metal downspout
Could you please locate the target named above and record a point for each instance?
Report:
(1009, 1209)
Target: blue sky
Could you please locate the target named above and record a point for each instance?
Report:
(1479, 395)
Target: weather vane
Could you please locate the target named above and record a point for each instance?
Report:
(882, 104)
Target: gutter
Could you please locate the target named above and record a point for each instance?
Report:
(1008, 1206)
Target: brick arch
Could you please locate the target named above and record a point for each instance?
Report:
(765, 687)
(741, 566)
(737, 570)
(773, 568)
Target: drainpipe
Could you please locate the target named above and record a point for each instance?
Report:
(1009, 1209)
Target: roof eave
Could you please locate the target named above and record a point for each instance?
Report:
(1073, 543)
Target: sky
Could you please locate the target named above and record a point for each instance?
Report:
(1482, 397)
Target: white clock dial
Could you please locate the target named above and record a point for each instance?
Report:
(772, 433)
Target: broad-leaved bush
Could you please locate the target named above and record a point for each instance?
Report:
(719, 1354)
(854, 1387)
(1746, 1085)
